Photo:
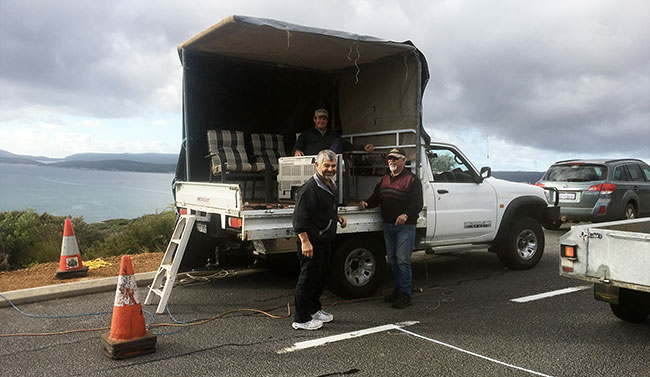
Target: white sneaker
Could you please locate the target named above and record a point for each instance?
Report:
(323, 316)
(314, 324)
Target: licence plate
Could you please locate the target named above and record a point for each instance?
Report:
(567, 195)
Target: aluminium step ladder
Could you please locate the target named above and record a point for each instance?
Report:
(166, 275)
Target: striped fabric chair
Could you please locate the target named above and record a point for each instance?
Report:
(267, 148)
(228, 153)
(229, 161)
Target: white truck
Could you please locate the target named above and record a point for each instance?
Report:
(615, 256)
(250, 81)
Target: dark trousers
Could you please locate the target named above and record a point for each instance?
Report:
(311, 281)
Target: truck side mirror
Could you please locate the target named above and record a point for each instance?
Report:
(486, 172)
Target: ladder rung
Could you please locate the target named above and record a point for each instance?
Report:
(157, 291)
(176, 240)
(166, 267)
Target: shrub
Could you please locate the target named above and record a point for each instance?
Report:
(27, 238)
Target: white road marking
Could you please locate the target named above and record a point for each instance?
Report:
(550, 294)
(473, 354)
(335, 338)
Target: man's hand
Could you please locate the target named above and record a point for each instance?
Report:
(343, 221)
(298, 153)
(363, 205)
(369, 147)
(306, 247)
(401, 219)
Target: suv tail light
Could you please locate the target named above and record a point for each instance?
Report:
(604, 188)
(539, 184)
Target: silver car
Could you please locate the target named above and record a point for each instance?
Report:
(599, 190)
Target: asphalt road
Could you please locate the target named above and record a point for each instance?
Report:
(466, 325)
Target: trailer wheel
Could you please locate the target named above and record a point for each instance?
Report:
(633, 306)
(358, 268)
(524, 245)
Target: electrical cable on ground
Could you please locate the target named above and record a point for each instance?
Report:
(182, 325)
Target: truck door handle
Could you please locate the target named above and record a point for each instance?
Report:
(443, 192)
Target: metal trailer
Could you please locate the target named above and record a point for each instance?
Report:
(615, 256)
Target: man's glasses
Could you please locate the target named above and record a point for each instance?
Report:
(391, 158)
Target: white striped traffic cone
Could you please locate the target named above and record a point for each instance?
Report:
(70, 264)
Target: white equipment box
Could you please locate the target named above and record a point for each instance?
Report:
(293, 172)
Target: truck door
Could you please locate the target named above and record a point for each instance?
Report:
(464, 211)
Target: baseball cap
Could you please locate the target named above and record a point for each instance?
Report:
(321, 113)
(396, 152)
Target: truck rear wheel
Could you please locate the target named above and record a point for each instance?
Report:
(633, 306)
(358, 268)
(523, 246)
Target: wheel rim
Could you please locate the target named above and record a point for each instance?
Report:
(630, 213)
(360, 267)
(526, 244)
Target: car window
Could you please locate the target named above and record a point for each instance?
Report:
(646, 173)
(635, 172)
(447, 166)
(620, 174)
(576, 173)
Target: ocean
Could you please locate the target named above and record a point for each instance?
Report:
(94, 194)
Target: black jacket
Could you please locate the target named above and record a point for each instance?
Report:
(316, 210)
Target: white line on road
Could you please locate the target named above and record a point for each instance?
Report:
(550, 294)
(349, 335)
(472, 353)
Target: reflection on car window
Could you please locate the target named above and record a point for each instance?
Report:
(635, 172)
(447, 166)
(619, 173)
(576, 173)
(646, 173)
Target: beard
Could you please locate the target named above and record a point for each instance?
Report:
(329, 175)
(392, 168)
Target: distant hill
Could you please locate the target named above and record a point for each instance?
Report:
(136, 162)
(121, 165)
(518, 176)
(7, 154)
(154, 158)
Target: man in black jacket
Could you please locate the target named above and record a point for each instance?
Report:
(314, 140)
(314, 221)
(399, 193)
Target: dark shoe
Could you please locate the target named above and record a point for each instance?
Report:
(403, 300)
(392, 296)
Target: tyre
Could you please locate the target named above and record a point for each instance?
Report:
(358, 268)
(632, 306)
(523, 246)
(630, 212)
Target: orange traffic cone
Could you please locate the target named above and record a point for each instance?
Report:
(129, 336)
(70, 264)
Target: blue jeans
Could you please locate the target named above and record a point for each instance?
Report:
(399, 247)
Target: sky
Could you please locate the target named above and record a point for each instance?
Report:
(516, 84)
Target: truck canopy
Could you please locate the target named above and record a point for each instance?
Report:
(265, 76)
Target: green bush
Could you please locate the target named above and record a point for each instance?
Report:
(27, 238)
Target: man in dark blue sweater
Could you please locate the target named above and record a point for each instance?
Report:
(314, 140)
(399, 193)
(314, 221)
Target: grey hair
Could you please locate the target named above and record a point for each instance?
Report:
(325, 153)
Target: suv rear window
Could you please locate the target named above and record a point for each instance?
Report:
(576, 173)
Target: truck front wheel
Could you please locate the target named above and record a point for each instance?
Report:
(633, 306)
(358, 268)
(523, 246)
